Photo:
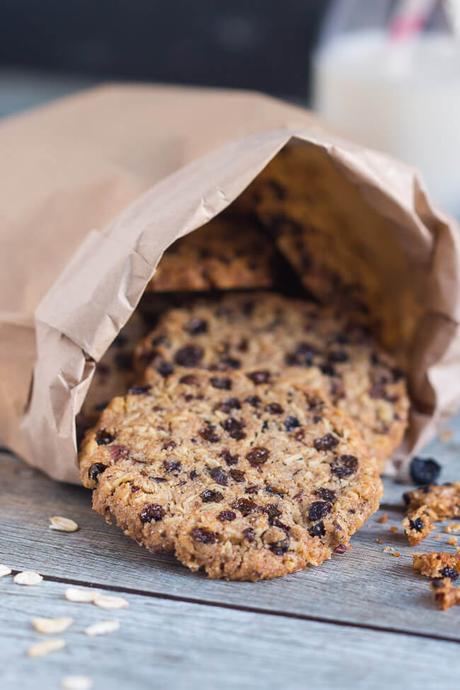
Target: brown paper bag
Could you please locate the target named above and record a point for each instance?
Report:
(98, 186)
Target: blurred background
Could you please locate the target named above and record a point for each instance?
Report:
(254, 44)
(384, 73)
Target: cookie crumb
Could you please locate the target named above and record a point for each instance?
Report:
(393, 529)
(452, 541)
(446, 435)
(392, 551)
(445, 594)
(437, 564)
(382, 519)
(454, 527)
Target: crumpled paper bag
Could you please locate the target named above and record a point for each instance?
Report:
(96, 188)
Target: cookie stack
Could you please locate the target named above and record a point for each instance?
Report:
(254, 424)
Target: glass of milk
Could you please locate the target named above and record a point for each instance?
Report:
(402, 97)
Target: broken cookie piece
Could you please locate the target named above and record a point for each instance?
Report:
(445, 594)
(427, 505)
(437, 564)
(417, 525)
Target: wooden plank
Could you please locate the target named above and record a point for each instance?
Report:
(164, 644)
(364, 586)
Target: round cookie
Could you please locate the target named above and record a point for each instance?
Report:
(317, 344)
(114, 372)
(226, 253)
(247, 481)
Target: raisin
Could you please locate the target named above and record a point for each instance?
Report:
(172, 465)
(326, 442)
(254, 400)
(234, 428)
(338, 356)
(274, 492)
(327, 369)
(249, 534)
(196, 326)
(257, 456)
(118, 452)
(189, 356)
(229, 363)
(344, 466)
(340, 549)
(193, 474)
(237, 476)
(159, 340)
(279, 548)
(95, 470)
(317, 530)
(424, 471)
(416, 525)
(219, 475)
(123, 361)
(291, 423)
(104, 437)
(397, 374)
(326, 495)
(303, 355)
(319, 509)
(164, 368)
(252, 490)
(203, 535)
(274, 408)
(228, 457)
(245, 506)
(449, 572)
(258, 377)
(139, 390)
(230, 404)
(208, 433)
(272, 512)
(152, 513)
(189, 380)
(226, 516)
(221, 383)
(169, 445)
(211, 496)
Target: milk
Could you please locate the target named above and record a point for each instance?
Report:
(403, 99)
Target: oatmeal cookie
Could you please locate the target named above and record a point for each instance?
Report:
(247, 479)
(226, 253)
(114, 373)
(317, 344)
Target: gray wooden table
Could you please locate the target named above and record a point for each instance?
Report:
(362, 620)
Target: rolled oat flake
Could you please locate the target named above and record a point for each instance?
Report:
(62, 524)
(28, 577)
